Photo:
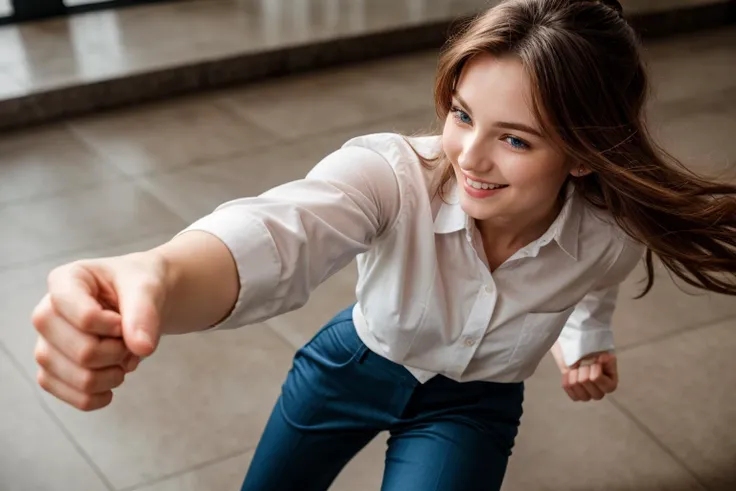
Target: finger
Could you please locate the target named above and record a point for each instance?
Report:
(609, 364)
(584, 380)
(602, 381)
(609, 370)
(577, 388)
(566, 386)
(583, 374)
(571, 393)
(60, 390)
(73, 293)
(130, 363)
(86, 350)
(593, 390)
(140, 315)
(84, 380)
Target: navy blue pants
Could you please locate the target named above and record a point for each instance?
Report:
(444, 435)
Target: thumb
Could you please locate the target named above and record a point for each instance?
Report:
(140, 313)
(608, 363)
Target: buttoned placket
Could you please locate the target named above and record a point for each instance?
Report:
(480, 314)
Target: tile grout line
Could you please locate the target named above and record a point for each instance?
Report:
(76, 250)
(189, 469)
(659, 443)
(57, 422)
(669, 335)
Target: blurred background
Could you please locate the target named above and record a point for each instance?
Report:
(123, 121)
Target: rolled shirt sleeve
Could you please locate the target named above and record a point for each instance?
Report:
(288, 240)
(588, 330)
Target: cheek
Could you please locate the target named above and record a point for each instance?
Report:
(451, 143)
(543, 178)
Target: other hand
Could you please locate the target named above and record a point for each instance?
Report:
(591, 378)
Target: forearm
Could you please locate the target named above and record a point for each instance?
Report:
(201, 281)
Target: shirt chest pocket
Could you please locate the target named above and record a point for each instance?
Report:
(539, 331)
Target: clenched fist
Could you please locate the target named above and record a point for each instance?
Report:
(591, 378)
(97, 320)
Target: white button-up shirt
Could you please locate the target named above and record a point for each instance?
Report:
(426, 297)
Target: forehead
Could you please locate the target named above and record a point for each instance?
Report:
(498, 88)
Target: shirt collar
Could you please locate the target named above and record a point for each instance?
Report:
(564, 230)
(450, 217)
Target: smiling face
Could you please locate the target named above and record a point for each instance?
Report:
(506, 170)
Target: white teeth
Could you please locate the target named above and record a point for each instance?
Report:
(482, 185)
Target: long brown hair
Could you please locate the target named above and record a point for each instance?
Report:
(590, 89)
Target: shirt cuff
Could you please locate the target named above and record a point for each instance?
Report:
(579, 344)
(256, 259)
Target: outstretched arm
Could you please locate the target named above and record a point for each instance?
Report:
(255, 258)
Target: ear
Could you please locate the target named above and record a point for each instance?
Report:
(580, 171)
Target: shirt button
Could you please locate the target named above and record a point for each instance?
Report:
(469, 342)
(489, 288)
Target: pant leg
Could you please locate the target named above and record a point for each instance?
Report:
(291, 458)
(461, 443)
(330, 407)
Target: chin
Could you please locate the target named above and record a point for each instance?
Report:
(476, 209)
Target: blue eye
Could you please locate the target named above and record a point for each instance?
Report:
(516, 143)
(461, 116)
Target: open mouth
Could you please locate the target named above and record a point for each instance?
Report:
(483, 185)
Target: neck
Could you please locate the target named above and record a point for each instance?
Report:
(511, 233)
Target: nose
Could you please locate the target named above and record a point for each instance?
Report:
(475, 155)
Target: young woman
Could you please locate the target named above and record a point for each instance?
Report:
(478, 251)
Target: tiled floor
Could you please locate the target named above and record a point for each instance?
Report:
(189, 417)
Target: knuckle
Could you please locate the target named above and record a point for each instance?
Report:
(86, 403)
(43, 380)
(118, 377)
(41, 314)
(86, 320)
(41, 354)
(87, 381)
(92, 403)
(86, 354)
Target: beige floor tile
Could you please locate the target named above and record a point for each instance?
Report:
(682, 390)
(196, 190)
(679, 67)
(317, 103)
(326, 301)
(21, 288)
(412, 76)
(93, 217)
(669, 307)
(418, 122)
(200, 397)
(363, 473)
(567, 446)
(35, 455)
(702, 139)
(48, 160)
(225, 475)
(165, 135)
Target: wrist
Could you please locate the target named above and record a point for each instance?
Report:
(168, 274)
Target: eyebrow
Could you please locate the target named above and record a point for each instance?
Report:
(502, 124)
